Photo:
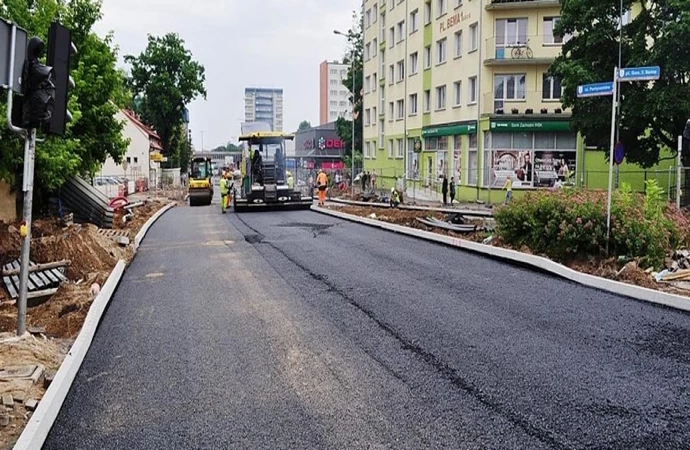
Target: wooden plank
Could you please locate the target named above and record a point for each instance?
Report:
(59, 275)
(41, 293)
(39, 267)
(49, 274)
(46, 281)
(10, 287)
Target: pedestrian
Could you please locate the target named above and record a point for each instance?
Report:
(444, 189)
(509, 189)
(223, 192)
(452, 190)
(321, 185)
(373, 180)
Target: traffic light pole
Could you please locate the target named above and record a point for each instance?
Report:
(28, 188)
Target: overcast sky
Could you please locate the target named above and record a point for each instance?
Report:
(272, 43)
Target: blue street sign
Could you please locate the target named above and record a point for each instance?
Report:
(618, 153)
(595, 90)
(639, 73)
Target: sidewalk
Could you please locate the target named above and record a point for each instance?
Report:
(426, 197)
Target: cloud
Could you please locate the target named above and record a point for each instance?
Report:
(274, 43)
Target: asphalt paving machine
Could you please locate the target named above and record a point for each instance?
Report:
(200, 182)
(264, 175)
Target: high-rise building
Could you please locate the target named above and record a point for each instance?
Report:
(334, 97)
(437, 71)
(264, 105)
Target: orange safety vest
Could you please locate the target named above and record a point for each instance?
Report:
(322, 179)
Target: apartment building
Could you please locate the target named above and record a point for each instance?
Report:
(438, 71)
(334, 97)
(264, 105)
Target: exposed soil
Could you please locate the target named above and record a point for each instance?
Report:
(628, 272)
(92, 256)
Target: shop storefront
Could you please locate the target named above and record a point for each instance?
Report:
(535, 154)
(442, 151)
(319, 148)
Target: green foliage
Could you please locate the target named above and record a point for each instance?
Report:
(653, 114)
(304, 125)
(164, 79)
(343, 127)
(571, 224)
(93, 134)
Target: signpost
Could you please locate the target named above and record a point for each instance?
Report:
(639, 73)
(595, 90)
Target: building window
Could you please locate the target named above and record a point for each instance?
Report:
(401, 148)
(383, 63)
(511, 32)
(390, 148)
(549, 35)
(474, 37)
(509, 87)
(335, 82)
(383, 27)
(334, 71)
(457, 93)
(367, 149)
(374, 48)
(373, 115)
(401, 31)
(392, 37)
(441, 50)
(442, 6)
(375, 13)
(401, 70)
(441, 97)
(391, 110)
(414, 63)
(382, 132)
(414, 22)
(458, 44)
(334, 92)
(551, 88)
(427, 101)
(374, 82)
(367, 117)
(367, 18)
(413, 104)
(473, 160)
(427, 12)
(472, 91)
(391, 73)
(367, 84)
(334, 103)
(458, 3)
(367, 51)
(401, 109)
(427, 57)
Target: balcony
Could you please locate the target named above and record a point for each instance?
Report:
(520, 4)
(531, 50)
(525, 101)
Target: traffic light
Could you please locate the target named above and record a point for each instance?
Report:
(60, 48)
(38, 87)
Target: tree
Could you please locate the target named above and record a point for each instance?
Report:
(94, 134)
(165, 79)
(652, 114)
(303, 125)
(343, 126)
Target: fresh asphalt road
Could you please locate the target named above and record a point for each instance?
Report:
(294, 330)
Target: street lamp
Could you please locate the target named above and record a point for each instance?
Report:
(352, 138)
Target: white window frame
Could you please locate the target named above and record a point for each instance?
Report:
(474, 37)
(391, 74)
(414, 63)
(472, 90)
(390, 148)
(401, 148)
(427, 101)
(367, 117)
(441, 51)
(441, 99)
(511, 36)
(442, 7)
(367, 84)
(400, 107)
(414, 23)
(391, 111)
(552, 84)
(458, 44)
(400, 71)
(427, 57)
(457, 94)
(400, 31)
(412, 103)
(427, 12)
(515, 78)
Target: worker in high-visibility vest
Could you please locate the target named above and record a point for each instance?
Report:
(322, 185)
(290, 181)
(224, 189)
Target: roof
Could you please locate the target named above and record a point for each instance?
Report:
(266, 135)
(141, 125)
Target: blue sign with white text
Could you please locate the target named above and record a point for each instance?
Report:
(639, 73)
(595, 90)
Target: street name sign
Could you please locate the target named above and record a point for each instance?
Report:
(595, 90)
(639, 73)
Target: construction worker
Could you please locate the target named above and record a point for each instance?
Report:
(231, 188)
(322, 184)
(224, 187)
(290, 180)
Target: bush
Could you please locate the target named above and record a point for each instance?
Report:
(570, 224)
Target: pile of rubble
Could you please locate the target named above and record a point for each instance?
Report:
(677, 271)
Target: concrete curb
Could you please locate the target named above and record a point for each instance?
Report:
(465, 212)
(36, 431)
(142, 233)
(616, 287)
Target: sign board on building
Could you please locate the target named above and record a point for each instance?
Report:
(451, 130)
(530, 125)
(157, 157)
(595, 89)
(19, 55)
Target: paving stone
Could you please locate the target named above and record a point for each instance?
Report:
(48, 378)
(37, 330)
(123, 240)
(7, 400)
(19, 398)
(31, 404)
(4, 420)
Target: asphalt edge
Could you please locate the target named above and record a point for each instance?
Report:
(537, 262)
(467, 212)
(36, 430)
(145, 229)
